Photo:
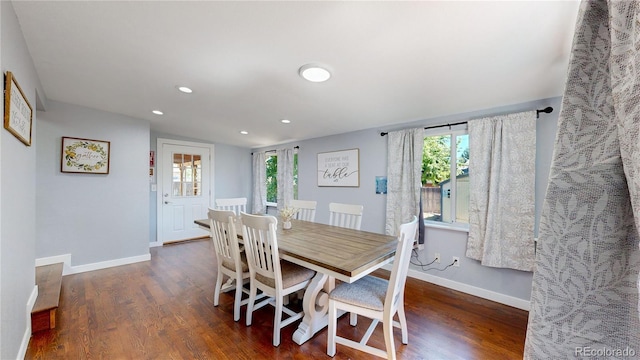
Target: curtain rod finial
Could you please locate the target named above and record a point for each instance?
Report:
(546, 110)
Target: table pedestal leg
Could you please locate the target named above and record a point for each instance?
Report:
(316, 306)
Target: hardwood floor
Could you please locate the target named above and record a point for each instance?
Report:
(163, 309)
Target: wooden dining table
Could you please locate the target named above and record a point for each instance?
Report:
(334, 253)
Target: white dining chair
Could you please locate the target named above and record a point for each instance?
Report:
(237, 205)
(345, 215)
(306, 209)
(377, 299)
(276, 278)
(231, 262)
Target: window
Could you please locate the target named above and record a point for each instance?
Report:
(445, 177)
(272, 178)
(187, 175)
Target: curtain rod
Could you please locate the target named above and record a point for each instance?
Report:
(274, 150)
(546, 110)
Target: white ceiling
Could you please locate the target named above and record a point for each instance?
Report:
(392, 62)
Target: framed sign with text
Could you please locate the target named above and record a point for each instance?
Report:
(339, 168)
(18, 114)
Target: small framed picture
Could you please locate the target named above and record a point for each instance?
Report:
(381, 184)
(85, 156)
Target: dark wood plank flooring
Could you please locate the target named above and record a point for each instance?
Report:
(163, 309)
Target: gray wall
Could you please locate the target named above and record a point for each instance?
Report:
(17, 191)
(373, 162)
(93, 217)
(232, 174)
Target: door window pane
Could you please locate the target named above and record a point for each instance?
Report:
(187, 175)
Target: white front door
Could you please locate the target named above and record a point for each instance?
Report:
(185, 191)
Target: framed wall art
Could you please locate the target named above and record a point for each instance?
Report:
(339, 168)
(85, 156)
(18, 114)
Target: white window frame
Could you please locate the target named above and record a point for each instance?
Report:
(453, 132)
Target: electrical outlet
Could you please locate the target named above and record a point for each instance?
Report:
(456, 261)
(437, 256)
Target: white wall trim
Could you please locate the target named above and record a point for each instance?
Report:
(468, 289)
(155, 244)
(65, 258)
(108, 264)
(24, 345)
(472, 290)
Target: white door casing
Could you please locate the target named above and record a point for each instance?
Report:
(185, 183)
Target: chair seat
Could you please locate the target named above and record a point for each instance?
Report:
(227, 263)
(292, 274)
(368, 292)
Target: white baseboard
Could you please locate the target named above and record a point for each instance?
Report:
(468, 289)
(108, 264)
(68, 269)
(155, 244)
(472, 290)
(65, 258)
(24, 345)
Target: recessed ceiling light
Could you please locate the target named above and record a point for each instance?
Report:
(285, 121)
(157, 112)
(244, 132)
(185, 89)
(314, 73)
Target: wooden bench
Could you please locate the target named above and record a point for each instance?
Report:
(49, 281)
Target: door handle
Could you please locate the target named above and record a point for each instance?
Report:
(167, 202)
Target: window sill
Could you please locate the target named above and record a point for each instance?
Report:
(445, 226)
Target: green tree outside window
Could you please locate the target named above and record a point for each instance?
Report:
(271, 165)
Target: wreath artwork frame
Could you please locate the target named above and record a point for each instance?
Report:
(85, 156)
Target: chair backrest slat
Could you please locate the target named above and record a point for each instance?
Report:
(237, 205)
(345, 215)
(398, 276)
(306, 209)
(224, 236)
(261, 245)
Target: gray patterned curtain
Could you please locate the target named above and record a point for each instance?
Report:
(502, 190)
(584, 301)
(259, 199)
(285, 177)
(404, 170)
